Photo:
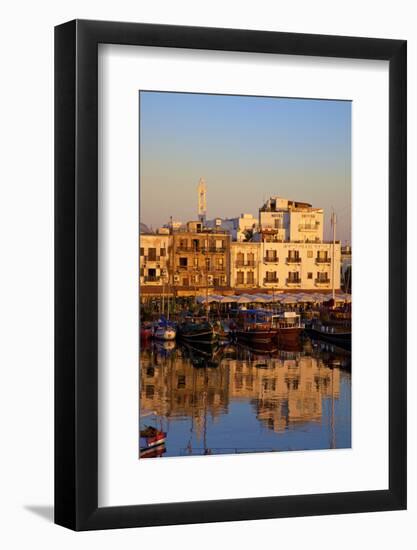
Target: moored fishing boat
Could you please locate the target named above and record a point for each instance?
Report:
(145, 331)
(253, 326)
(197, 330)
(164, 332)
(151, 438)
(288, 326)
(334, 334)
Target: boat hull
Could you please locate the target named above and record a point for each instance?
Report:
(289, 335)
(342, 339)
(166, 334)
(256, 336)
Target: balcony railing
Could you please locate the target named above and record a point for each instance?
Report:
(181, 248)
(293, 260)
(293, 281)
(214, 249)
(271, 281)
(322, 281)
(151, 258)
(271, 259)
(249, 263)
(152, 279)
(308, 227)
(323, 260)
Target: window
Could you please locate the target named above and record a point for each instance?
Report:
(152, 254)
(220, 263)
(309, 275)
(240, 278)
(271, 276)
(208, 264)
(322, 277)
(293, 276)
(309, 255)
(183, 262)
(142, 251)
(195, 262)
(250, 278)
(163, 252)
(271, 255)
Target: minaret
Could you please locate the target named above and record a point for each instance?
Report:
(202, 204)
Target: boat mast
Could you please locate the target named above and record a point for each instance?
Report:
(333, 255)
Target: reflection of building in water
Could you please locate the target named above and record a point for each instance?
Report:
(282, 391)
(181, 390)
(287, 390)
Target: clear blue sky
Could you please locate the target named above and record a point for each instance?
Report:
(247, 149)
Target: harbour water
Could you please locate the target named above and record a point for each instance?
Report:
(233, 399)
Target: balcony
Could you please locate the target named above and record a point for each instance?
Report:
(213, 249)
(249, 263)
(187, 249)
(151, 258)
(323, 260)
(271, 281)
(271, 259)
(293, 260)
(309, 227)
(320, 282)
(152, 279)
(293, 282)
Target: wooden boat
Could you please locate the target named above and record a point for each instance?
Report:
(164, 332)
(145, 331)
(253, 327)
(197, 330)
(337, 335)
(288, 326)
(150, 438)
(153, 452)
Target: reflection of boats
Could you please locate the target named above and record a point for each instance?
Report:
(254, 327)
(288, 326)
(197, 330)
(153, 452)
(338, 335)
(204, 356)
(150, 438)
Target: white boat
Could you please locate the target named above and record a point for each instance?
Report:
(162, 332)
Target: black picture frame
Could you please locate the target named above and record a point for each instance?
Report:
(76, 272)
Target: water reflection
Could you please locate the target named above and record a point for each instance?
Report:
(236, 399)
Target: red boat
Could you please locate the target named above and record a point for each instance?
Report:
(150, 439)
(254, 327)
(288, 327)
(145, 331)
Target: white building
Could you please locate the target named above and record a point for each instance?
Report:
(240, 228)
(305, 266)
(283, 220)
